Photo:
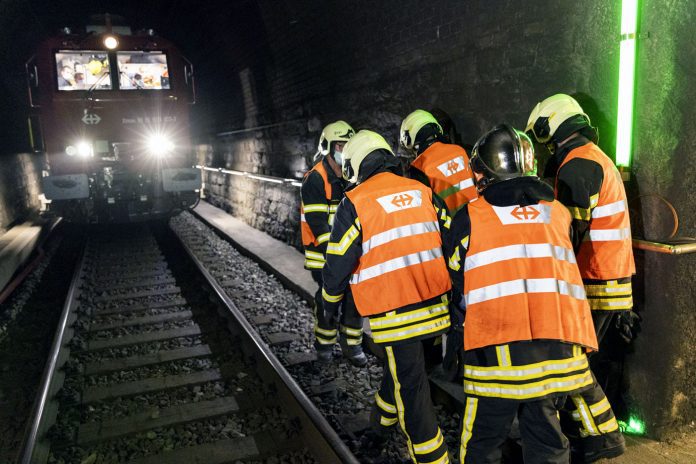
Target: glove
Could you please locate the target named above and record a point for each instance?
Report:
(627, 323)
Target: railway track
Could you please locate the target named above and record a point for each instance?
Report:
(153, 362)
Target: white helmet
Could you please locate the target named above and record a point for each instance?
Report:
(413, 123)
(549, 114)
(356, 150)
(339, 131)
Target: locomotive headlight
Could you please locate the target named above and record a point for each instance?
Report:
(84, 149)
(159, 145)
(110, 42)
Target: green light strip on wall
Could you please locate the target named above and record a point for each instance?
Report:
(627, 71)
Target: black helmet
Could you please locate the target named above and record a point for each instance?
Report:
(502, 153)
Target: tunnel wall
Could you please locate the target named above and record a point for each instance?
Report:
(20, 178)
(486, 62)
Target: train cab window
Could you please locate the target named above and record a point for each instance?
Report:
(142, 70)
(82, 70)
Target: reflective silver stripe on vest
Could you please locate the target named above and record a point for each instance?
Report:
(519, 286)
(399, 232)
(465, 184)
(396, 263)
(607, 235)
(609, 210)
(529, 250)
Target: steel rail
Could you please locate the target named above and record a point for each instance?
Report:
(37, 418)
(330, 448)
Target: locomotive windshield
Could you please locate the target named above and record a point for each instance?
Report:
(143, 70)
(82, 70)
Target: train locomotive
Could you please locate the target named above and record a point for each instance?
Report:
(109, 111)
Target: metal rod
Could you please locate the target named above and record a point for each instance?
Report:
(251, 175)
(251, 129)
(35, 419)
(678, 249)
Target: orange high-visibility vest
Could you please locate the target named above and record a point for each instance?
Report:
(308, 237)
(521, 281)
(447, 169)
(402, 261)
(606, 252)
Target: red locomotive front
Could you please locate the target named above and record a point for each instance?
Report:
(110, 110)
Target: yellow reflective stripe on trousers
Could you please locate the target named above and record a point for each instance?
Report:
(530, 390)
(323, 238)
(519, 251)
(394, 319)
(315, 208)
(325, 332)
(401, 262)
(610, 304)
(527, 371)
(350, 331)
(411, 331)
(314, 264)
(520, 286)
(314, 255)
(468, 419)
(340, 248)
(503, 354)
(396, 233)
(588, 423)
(331, 298)
(386, 422)
(611, 288)
(608, 426)
(596, 409)
(430, 445)
(384, 405)
(391, 362)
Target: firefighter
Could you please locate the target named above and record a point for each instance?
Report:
(386, 246)
(528, 323)
(590, 186)
(442, 166)
(322, 190)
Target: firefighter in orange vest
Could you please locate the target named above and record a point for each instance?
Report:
(590, 186)
(386, 247)
(444, 167)
(322, 190)
(528, 324)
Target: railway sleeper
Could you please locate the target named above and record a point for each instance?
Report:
(169, 290)
(143, 320)
(124, 309)
(137, 282)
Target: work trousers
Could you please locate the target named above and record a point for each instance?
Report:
(594, 420)
(486, 424)
(404, 398)
(350, 322)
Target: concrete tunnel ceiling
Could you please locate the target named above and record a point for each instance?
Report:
(300, 64)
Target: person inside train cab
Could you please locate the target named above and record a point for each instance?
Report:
(66, 79)
(386, 249)
(527, 324)
(322, 190)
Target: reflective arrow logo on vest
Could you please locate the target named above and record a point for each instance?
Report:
(516, 214)
(525, 213)
(452, 166)
(401, 200)
(91, 119)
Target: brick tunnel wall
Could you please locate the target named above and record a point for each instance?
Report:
(484, 62)
(20, 177)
